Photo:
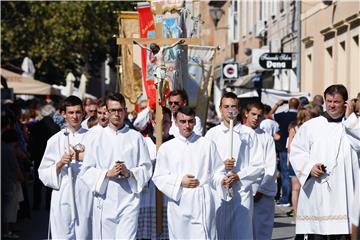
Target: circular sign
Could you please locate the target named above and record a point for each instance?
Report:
(230, 71)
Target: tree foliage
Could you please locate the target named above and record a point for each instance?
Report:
(59, 36)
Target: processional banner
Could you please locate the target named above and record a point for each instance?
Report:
(148, 61)
(170, 29)
(131, 82)
(199, 81)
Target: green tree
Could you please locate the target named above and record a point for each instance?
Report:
(59, 36)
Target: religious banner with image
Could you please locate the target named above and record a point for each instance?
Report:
(199, 81)
(171, 29)
(148, 61)
(131, 81)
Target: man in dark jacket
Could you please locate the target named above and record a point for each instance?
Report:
(40, 132)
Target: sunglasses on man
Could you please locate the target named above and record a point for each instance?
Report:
(175, 103)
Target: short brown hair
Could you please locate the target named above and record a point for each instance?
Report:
(339, 89)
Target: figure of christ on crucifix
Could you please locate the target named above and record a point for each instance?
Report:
(157, 57)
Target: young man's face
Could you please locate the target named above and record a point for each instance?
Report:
(228, 109)
(73, 116)
(175, 102)
(117, 114)
(185, 124)
(335, 105)
(253, 117)
(103, 116)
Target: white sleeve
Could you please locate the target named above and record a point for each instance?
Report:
(198, 129)
(254, 172)
(352, 128)
(142, 119)
(47, 168)
(94, 177)
(300, 155)
(355, 211)
(143, 171)
(268, 182)
(166, 181)
(219, 173)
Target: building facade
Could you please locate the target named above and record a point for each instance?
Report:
(244, 31)
(330, 45)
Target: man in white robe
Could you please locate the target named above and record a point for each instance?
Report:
(234, 218)
(187, 168)
(90, 110)
(147, 216)
(117, 167)
(102, 116)
(264, 206)
(53, 172)
(177, 99)
(352, 128)
(328, 169)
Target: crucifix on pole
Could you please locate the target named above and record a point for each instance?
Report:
(157, 46)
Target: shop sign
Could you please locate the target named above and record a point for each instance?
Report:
(276, 60)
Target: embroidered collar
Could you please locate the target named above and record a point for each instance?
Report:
(330, 119)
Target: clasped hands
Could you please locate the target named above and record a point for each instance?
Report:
(189, 181)
(119, 169)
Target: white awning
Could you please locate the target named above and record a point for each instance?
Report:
(25, 85)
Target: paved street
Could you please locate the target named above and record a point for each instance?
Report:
(36, 228)
(283, 226)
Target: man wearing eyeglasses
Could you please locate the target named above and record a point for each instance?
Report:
(116, 168)
(177, 99)
(188, 169)
(244, 164)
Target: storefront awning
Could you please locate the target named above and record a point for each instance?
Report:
(26, 85)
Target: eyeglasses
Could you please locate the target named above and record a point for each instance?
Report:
(190, 121)
(116, 110)
(176, 103)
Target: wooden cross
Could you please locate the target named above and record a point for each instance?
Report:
(159, 40)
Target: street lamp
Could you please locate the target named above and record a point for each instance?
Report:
(216, 13)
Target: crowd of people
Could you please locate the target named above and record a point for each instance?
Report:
(99, 169)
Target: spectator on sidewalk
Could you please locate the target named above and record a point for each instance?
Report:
(284, 119)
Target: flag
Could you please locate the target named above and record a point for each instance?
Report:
(148, 61)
